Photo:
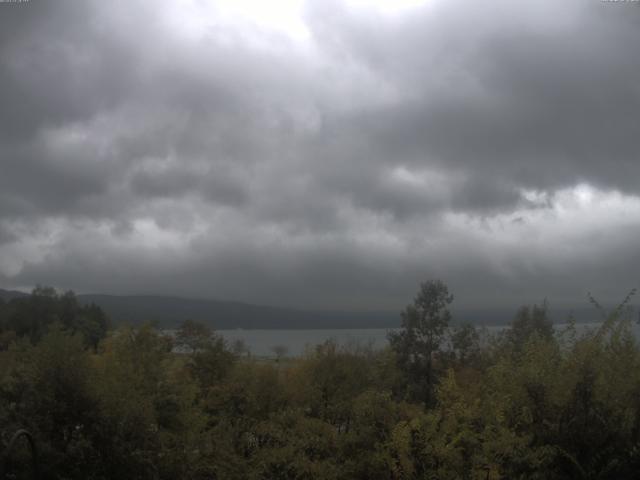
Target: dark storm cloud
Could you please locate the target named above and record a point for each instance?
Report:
(236, 162)
(542, 99)
(6, 234)
(59, 65)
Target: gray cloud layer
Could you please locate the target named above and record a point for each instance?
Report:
(493, 145)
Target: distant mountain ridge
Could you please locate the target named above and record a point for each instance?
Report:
(168, 312)
(7, 295)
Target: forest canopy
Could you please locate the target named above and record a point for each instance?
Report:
(441, 401)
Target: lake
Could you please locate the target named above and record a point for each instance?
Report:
(261, 342)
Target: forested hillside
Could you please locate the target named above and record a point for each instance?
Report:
(168, 312)
(440, 402)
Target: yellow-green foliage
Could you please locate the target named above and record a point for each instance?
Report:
(543, 406)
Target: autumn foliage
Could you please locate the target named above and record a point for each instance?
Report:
(441, 402)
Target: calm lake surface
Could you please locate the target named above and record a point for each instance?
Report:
(261, 342)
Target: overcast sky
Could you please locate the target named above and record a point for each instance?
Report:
(326, 154)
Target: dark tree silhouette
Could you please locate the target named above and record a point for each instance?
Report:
(424, 323)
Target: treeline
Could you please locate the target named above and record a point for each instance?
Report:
(440, 402)
(31, 317)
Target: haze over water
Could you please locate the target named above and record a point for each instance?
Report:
(261, 342)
